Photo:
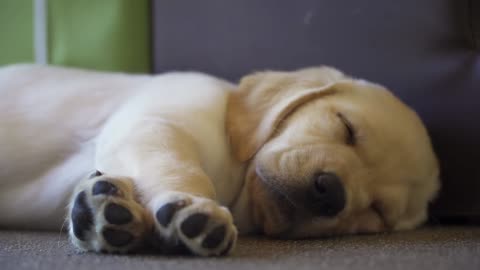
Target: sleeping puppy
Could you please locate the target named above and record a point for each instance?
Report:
(181, 161)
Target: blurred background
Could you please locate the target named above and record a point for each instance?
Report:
(104, 35)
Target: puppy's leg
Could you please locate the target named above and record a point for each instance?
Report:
(178, 193)
(166, 171)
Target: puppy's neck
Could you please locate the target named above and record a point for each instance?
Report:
(242, 208)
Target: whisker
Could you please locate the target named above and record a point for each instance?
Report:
(60, 232)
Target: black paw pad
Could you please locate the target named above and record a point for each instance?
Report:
(194, 225)
(116, 237)
(81, 216)
(215, 237)
(165, 213)
(104, 187)
(117, 214)
(95, 174)
(176, 247)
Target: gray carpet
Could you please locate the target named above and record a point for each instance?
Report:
(428, 248)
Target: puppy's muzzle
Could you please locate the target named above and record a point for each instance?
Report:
(321, 195)
(328, 198)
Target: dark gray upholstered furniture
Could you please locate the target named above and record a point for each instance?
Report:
(426, 51)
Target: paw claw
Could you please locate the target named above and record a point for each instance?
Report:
(95, 174)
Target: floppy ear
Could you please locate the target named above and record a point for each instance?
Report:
(263, 100)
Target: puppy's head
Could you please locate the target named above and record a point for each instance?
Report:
(329, 154)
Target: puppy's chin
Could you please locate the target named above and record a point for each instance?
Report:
(272, 212)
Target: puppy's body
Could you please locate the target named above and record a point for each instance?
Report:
(55, 122)
(291, 154)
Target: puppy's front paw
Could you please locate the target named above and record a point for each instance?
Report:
(104, 216)
(188, 223)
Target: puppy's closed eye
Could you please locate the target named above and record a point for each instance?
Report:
(350, 137)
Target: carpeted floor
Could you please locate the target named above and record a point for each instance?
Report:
(428, 248)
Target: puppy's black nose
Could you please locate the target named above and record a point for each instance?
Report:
(329, 195)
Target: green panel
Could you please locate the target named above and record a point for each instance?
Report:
(16, 31)
(100, 34)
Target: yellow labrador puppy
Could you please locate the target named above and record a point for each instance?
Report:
(181, 161)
